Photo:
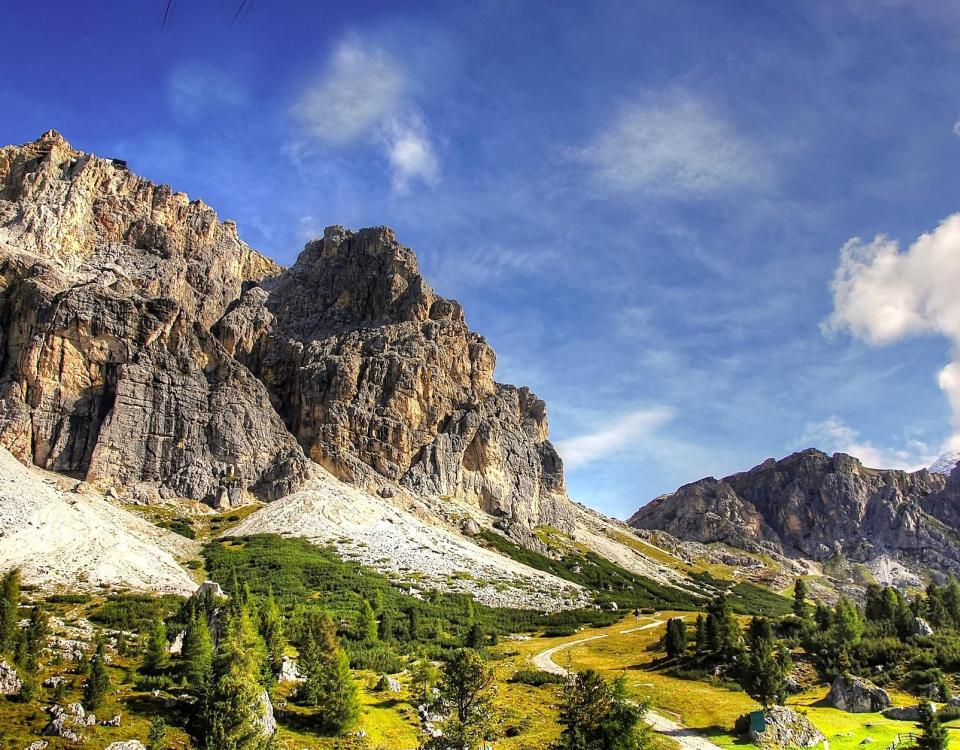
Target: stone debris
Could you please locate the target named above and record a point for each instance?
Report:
(10, 683)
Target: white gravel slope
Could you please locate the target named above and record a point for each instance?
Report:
(416, 554)
(62, 540)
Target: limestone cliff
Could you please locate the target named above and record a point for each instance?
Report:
(143, 341)
(820, 507)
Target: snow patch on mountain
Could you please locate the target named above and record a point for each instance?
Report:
(946, 463)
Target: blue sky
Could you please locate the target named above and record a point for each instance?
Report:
(646, 207)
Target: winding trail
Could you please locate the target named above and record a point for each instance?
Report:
(684, 736)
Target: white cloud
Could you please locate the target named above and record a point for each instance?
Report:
(956, 128)
(361, 86)
(365, 95)
(675, 146)
(582, 449)
(834, 436)
(882, 294)
(410, 153)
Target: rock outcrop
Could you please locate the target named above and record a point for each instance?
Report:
(10, 683)
(144, 345)
(857, 695)
(786, 728)
(379, 377)
(819, 507)
(109, 286)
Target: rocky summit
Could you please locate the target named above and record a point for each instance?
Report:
(145, 347)
(822, 508)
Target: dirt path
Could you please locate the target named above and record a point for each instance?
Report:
(687, 738)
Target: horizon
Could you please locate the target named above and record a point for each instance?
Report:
(676, 271)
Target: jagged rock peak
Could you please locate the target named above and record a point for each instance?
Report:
(820, 507)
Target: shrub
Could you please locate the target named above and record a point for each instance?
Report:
(536, 678)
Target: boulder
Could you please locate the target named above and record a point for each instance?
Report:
(212, 587)
(919, 626)
(389, 684)
(9, 680)
(903, 713)
(66, 721)
(38, 745)
(471, 527)
(289, 672)
(786, 728)
(128, 745)
(176, 646)
(266, 720)
(857, 695)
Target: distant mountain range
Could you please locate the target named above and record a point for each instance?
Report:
(902, 527)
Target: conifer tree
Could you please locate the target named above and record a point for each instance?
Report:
(157, 739)
(197, 652)
(156, 658)
(98, 681)
(366, 623)
(34, 637)
(800, 598)
(9, 611)
(233, 706)
(328, 684)
(474, 637)
(413, 624)
(700, 635)
(598, 715)
(766, 665)
(934, 736)
(274, 635)
(385, 631)
(466, 695)
(675, 640)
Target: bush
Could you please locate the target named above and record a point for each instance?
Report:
(378, 658)
(135, 611)
(559, 631)
(68, 598)
(536, 678)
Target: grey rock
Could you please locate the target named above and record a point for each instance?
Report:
(919, 626)
(66, 721)
(38, 745)
(210, 587)
(857, 695)
(112, 722)
(265, 719)
(787, 728)
(128, 745)
(289, 672)
(388, 684)
(10, 683)
(903, 713)
(471, 527)
(818, 507)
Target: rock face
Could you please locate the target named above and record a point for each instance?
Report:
(818, 507)
(378, 377)
(786, 728)
(143, 344)
(109, 286)
(857, 695)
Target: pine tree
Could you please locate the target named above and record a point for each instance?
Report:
(385, 631)
(273, 633)
(156, 658)
(675, 640)
(466, 694)
(934, 736)
(413, 624)
(98, 682)
(157, 739)
(765, 666)
(597, 715)
(35, 636)
(328, 684)
(197, 653)
(233, 705)
(723, 630)
(800, 598)
(424, 678)
(9, 611)
(474, 637)
(846, 628)
(366, 623)
(700, 635)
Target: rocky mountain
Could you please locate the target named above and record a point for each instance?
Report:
(945, 464)
(145, 347)
(822, 508)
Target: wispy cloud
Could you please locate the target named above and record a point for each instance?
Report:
(835, 436)
(956, 128)
(410, 153)
(194, 91)
(622, 432)
(675, 145)
(882, 294)
(365, 95)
